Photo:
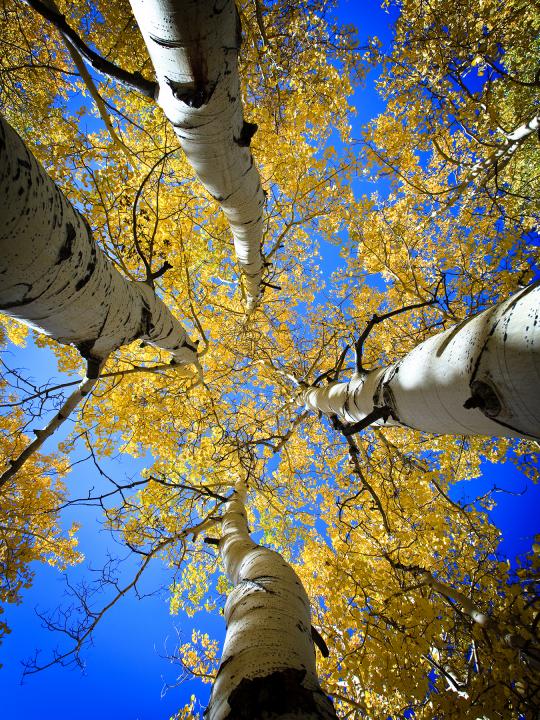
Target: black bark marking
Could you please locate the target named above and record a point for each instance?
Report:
(66, 250)
(27, 300)
(93, 366)
(102, 326)
(251, 163)
(19, 303)
(85, 348)
(451, 335)
(146, 325)
(279, 693)
(201, 90)
(223, 664)
(260, 582)
(247, 132)
(162, 42)
(89, 271)
(389, 401)
(485, 398)
(194, 97)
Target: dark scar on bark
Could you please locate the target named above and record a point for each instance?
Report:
(247, 132)
(274, 695)
(66, 250)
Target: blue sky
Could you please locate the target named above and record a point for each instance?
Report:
(126, 668)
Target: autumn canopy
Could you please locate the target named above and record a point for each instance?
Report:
(310, 327)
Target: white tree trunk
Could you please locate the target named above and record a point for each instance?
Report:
(56, 279)
(194, 48)
(512, 637)
(495, 163)
(500, 157)
(481, 377)
(268, 663)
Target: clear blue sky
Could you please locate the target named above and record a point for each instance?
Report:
(126, 667)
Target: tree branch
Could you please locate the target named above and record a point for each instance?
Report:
(376, 319)
(133, 80)
(59, 419)
(353, 454)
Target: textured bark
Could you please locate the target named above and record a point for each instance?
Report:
(268, 665)
(481, 377)
(194, 48)
(489, 167)
(55, 278)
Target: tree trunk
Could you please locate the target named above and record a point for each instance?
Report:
(511, 637)
(194, 48)
(56, 279)
(489, 167)
(481, 377)
(267, 668)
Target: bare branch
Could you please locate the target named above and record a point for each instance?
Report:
(61, 416)
(376, 319)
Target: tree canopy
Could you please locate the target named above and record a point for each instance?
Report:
(431, 207)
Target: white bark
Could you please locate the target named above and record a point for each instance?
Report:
(495, 163)
(481, 377)
(511, 637)
(500, 157)
(268, 663)
(56, 279)
(466, 603)
(194, 48)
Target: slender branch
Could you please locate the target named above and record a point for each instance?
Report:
(150, 276)
(116, 373)
(194, 315)
(133, 80)
(59, 419)
(162, 270)
(260, 23)
(319, 642)
(83, 635)
(91, 87)
(376, 319)
(353, 454)
(285, 437)
(378, 413)
(333, 373)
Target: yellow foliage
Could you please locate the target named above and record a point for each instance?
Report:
(359, 545)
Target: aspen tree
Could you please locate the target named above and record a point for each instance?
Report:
(268, 662)
(194, 49)
(56, 279)
(194, 46)
(481, 377)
